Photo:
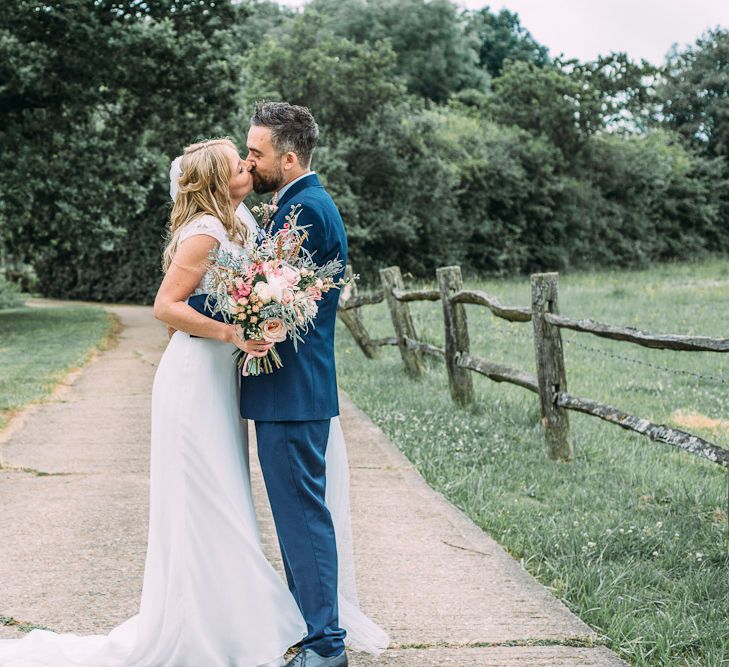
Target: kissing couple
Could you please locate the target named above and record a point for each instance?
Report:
(210, 597)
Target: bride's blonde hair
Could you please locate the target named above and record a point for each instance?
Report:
(203, 187)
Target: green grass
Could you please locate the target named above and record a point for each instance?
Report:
(39, 346)
(632, 535)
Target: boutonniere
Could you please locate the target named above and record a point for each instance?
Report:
(266, 211)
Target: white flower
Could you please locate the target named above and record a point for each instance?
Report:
(277, 285)
(264, 291)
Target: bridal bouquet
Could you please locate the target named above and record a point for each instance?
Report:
(271, 289)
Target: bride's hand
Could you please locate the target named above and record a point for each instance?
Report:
(256, 348)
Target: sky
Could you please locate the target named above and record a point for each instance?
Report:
(584, 29)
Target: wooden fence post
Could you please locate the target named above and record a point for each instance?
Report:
(353, 321)
(460, 381)
(401, 321)
(550, 366)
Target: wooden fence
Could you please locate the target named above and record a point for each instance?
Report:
(550, 381)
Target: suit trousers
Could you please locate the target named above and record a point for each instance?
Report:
(292, 456)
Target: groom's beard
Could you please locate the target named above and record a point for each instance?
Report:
(263, 183)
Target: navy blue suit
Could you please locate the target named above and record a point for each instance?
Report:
(305, 388)
(292, 408)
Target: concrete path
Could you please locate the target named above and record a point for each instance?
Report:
(73, 493)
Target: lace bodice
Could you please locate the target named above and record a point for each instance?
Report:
(209, 226)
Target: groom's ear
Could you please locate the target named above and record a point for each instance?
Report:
(291, 161)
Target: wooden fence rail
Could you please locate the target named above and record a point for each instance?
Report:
(550, 380)
(631, 335)
(483, 299)
(658, 432)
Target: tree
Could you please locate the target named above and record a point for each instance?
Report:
(341, 81)
(626, 90)
(501, 37)
(87, 132)
(435, 54)
(558, 164)
(508, 194)
(549, 102)
(695, 93)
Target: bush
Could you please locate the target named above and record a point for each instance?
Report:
(9, 294)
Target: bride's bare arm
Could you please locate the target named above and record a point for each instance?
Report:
(183, 276)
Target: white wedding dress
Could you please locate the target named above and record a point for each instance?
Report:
(210, 598)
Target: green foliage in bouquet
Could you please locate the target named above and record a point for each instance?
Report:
(271, 287)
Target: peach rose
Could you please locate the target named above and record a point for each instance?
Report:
(273, 331)
(287, 297)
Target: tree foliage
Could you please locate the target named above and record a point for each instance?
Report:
(88, 131)
(501, 37)
(447, 136)
(695, 93)
(435, 53)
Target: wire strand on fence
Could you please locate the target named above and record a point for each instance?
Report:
(639, 362)
(521, 334)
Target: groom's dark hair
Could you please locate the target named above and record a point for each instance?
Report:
(293, 128)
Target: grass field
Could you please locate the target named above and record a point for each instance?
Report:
(633, 534)
(39, 346)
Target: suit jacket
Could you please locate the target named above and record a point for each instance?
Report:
(305, 389)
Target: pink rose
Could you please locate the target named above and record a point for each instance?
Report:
(292, 275)
(287, 297)
(273, 331)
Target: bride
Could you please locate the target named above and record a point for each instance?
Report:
(209, 598)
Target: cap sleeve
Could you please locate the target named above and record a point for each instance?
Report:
(207, 225)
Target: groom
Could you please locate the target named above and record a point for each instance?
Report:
(292, 407)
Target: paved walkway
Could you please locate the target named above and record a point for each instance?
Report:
(73, 492)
